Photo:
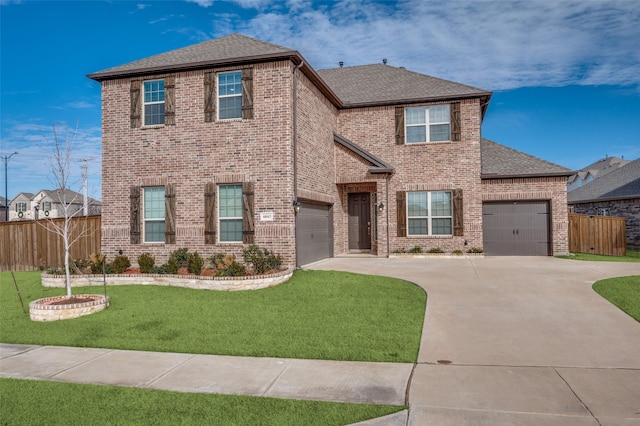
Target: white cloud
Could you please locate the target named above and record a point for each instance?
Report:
(489, 44)
(203, 3)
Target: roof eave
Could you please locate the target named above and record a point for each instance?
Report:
(487, 95)
(487, 176)
(599, 200)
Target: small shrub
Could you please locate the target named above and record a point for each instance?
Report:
(172, 265)
(146, 262)
(215, 258)
(457, 252)
(436, 250)
(415, 249)
(120, 264)
(181, 255)
(261, 259)
(399, 251)
(55, 272)
(162, 269)
(195, 263)
(230, 267)
(475, 250)
(96, 263)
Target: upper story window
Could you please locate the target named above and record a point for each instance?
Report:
(230, 213)
(154, 214)
(46, 206)
(21, 207)
(429, 213)
(230, 95)
(428, 124)
(153, 102)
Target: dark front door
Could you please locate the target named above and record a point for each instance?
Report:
(359, 221)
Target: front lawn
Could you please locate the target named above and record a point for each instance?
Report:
(623, 292)
(315, 315)
(632, 256)
(27, 402)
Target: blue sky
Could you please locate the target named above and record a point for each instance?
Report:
(565, 74)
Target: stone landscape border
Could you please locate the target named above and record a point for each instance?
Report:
(249, 282)
(44, 311)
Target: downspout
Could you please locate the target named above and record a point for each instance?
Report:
(295, 154)
(387, 211)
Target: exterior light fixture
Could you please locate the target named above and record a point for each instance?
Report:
(381, 207)
(296, 206)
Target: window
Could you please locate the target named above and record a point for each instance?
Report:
(427, 124)
(230, 213)
(154, 207)
(46, 206)
(153, 102)
(429, 213)
(230, 95)
(21, 207)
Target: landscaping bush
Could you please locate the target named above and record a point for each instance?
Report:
(457, 252)
(120, 264)
(195, 263)
(96, 263)
(230, 267)
(172, 265)
(436, 250)
(215, 258)
(261, 259)
(416, 249)
(146, 262)
(475, 250)
(181, 255)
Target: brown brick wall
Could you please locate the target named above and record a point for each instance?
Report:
(552, 189)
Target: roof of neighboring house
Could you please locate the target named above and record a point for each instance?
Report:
(26, 195)
(599, 168)
(378, 83)
(69, 196)
(3, 202)
(346, 87)
(500, 161)
(621, 183)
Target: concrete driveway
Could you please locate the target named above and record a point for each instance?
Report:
(517, 340)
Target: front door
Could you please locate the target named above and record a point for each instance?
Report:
(359, 221)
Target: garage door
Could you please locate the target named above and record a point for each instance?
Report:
(314, 233)
(516, 228)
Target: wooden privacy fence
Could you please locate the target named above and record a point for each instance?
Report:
(597, 235)
(32, 245)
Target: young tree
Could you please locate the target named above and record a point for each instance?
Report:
(60, 159)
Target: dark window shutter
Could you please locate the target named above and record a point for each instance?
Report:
(247, 93)
(170, 214)
(458, 216)
(401, 207)
(455, 122)
(210, 213)
(248, 227)
(136, 107)
(134, 216)
(170, 100)
(209, 96)
(399, 126)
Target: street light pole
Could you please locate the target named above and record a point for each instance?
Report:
(6, 185)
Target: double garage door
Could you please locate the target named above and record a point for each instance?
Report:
(314, 233)
(516, 228)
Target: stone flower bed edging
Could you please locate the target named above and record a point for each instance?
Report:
(435, 255)
(250, 282)
(42, 309)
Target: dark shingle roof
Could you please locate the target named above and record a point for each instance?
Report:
(228, 49)
(499, 161)
(379, 84)
(623, 182)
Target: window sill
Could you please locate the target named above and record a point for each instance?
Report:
(427, 143)
(435, 237)
(155, 126)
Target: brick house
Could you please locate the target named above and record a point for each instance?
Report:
(236, 141)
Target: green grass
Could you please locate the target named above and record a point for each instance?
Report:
(623, 292)
(26, 402)
(315, 315)
(632, 256)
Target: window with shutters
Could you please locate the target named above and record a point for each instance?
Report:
(429, 213)
(21, 207)
(46, 206)
(154, 214)
(230, 95)
(153, 103)
(427, 124)
(230, 213)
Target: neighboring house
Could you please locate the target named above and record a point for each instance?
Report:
(615, 194)
(3, 209)
(236, 141)
(49, 204)
(593, 171)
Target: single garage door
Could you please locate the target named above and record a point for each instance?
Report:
(516, 228)
(313, 233)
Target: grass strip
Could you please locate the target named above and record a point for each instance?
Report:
(623, 292)
(315, 315)
(632, 256)
(27, 402)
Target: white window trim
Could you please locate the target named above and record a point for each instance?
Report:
(219, 96)
(220, 218)
(145, 220)
(427, 124)
(429, 216)
(144, 104)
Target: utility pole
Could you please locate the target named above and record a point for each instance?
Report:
(6, 185)
(85, 184)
